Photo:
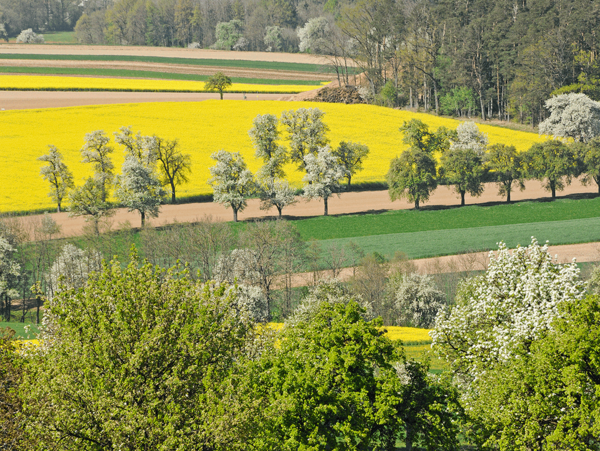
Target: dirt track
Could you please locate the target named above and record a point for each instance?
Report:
(19, 100)
(347, 203)
(166, 52)
(170, 68)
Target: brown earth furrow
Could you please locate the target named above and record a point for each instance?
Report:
(166, 52)
(170, 68)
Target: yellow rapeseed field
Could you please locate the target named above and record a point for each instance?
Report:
(55, 83)
(406, 334)
(202, 128)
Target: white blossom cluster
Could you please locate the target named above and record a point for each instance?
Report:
(323, 173)
(72, 268)
(331, 291)
(417, 300)
(513, 303)
(470, 138)
(30, 37)
(572, 116)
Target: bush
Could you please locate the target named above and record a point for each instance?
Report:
(29, 37)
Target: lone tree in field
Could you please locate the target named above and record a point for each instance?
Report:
(553, 163)
(218, 82)
(506, 167)
(97, 151)
(572, 116)
(351, 156)
(139, 189)
(86, 200)
(173, 165)
(57, 174)
(306, 132)
(323, 175)
(274, 190)
(231, 181)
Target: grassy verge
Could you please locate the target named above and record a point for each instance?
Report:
(266, 65)
(60, 37)
(405, 221)
(433, 243)
(119, 73)
(20, 329)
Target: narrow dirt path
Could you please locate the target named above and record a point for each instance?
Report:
(346, 203)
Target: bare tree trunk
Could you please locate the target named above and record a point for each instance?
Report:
(173, 199)
(325, 203)
(235, 219)
(143, 215)
(462, 198)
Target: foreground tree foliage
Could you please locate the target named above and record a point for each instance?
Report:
(139, 359)
(506, 166)
(553, 163)
(335, 382)
(11, 374)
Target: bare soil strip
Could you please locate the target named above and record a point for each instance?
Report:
(170, 68)
(22, 100)
(347, 203)
(166, 52)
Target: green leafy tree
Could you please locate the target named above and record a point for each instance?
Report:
(553, 163)
(174, 166)
(464, 169)
(57, 174)
(86, 200)
(307, 133)
(331, 384)
(412, 176)
(122, 370)
(351, 156)
(506, 167)
(590, 157)
(231, 180)
(218, 82)
(416, 135)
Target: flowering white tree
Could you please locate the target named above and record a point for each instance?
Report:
(137, 145)
(323, 175)
(97, 151)
(10, 270)
(315, 35)
(86, 200)
(57, 174)
(30, 37)
(273, 189)
(231, 180)
(71, 269)
(140, 189)
(572, 116)
(416, 299)
(508, 307)
(469, 137)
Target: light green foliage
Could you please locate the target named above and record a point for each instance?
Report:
(231, 180)
(306, 132)
(57, 174)
(416, 134)
(351, 156)
(142, 358)
(506, 167)
(87, 200)
(389, 94)
(412, 176)
(553, 163)
(458, 102)
(218, 82)
(273, 39)
(11, 374)
(97, 151)
(228, 34)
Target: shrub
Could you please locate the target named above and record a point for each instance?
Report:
(29, 37)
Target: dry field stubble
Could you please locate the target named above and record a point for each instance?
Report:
(201, 128)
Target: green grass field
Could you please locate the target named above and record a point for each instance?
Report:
(19, 328)
(404, 221)
(61, 37)
(265, 65)
(116, 73)
(433, 243)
